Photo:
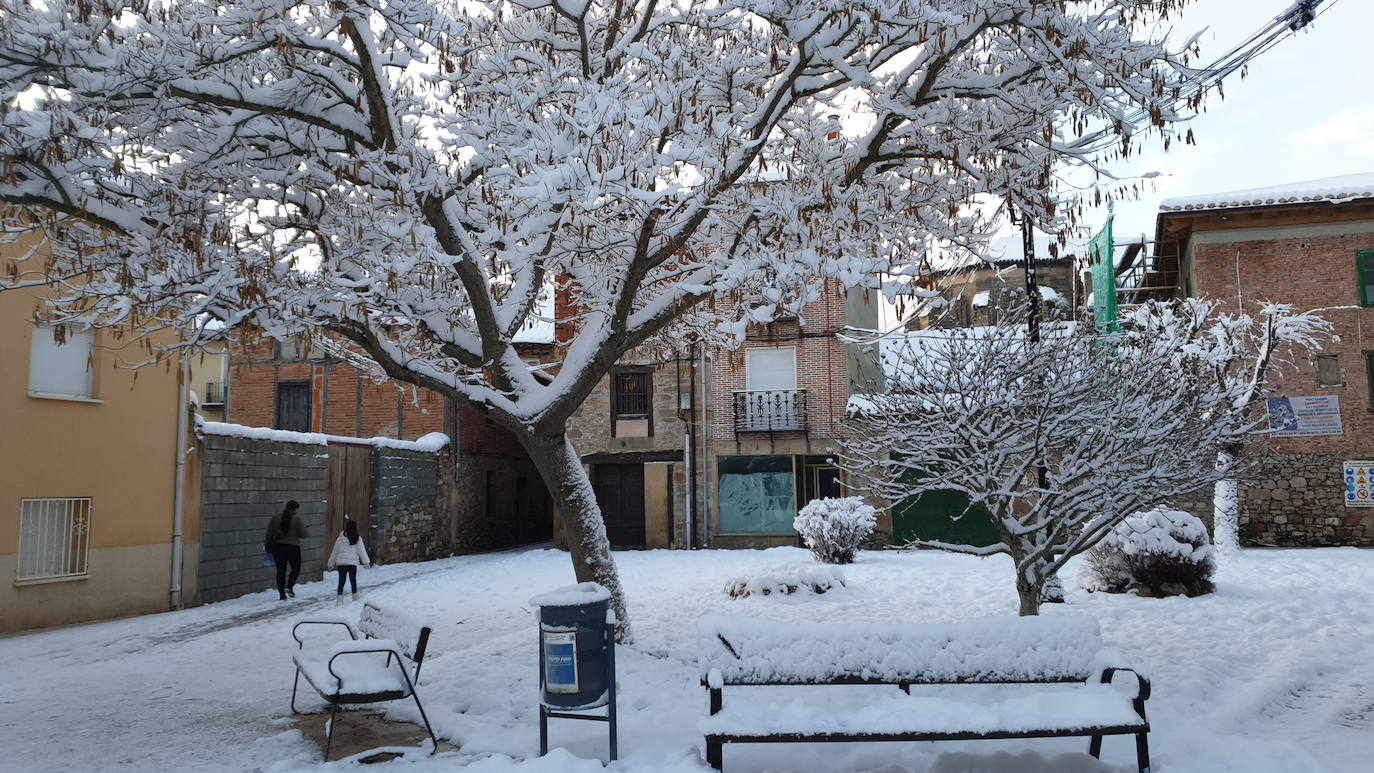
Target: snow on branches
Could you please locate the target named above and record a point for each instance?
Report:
(411, 175)
(1058, 439)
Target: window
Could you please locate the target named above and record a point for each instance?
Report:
(630, 394)
(60, 361)
(1329, 370)
(1369, 375)
(1364, 269)
(293, 406)
(757, 494)
(54, 538)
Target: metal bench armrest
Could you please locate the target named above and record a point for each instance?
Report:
(388, 651)
(1142, 684)
(301, 644)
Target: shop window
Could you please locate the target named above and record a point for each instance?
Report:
(757, 494)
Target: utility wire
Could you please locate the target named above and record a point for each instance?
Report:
(1281, 27)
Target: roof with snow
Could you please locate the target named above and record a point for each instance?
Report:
(1334, 190)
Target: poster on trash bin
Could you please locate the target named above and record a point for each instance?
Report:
(1304, 416)
(560, 661)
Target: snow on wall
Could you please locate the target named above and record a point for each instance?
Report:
(432, 442)
(1010, 649)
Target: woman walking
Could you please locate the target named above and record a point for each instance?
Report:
(283, 541)
(348, 554)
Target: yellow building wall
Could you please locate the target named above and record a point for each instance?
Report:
(119, 450)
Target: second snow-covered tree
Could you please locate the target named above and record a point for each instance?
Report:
(1057, 439)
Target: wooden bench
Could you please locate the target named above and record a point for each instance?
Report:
(370, 669)
(1065, 653)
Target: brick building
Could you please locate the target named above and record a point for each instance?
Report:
(497, 497)
(777, 406)
(1310, 245)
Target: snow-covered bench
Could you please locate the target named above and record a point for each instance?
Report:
(384, 665)
(1007, 651)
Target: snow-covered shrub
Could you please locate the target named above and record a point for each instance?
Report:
(1157, 552)
(782, 580)
(835, 527)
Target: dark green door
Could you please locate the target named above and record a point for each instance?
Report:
(943, 516)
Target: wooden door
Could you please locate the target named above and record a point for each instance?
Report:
(350, 492)
(620, 493)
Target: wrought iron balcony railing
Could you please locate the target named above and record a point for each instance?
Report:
(770, 410)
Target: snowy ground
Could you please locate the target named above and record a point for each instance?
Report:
(1271, 673)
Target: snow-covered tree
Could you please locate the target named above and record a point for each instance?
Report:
(1112, 423)
(1238, 354)
(410, 175)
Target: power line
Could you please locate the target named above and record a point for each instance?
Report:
(1298, 15)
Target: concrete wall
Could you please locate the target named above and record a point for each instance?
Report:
(245, 483)
(1296, 495)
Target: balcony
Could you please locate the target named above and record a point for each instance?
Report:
(214, 394)
(770, 410)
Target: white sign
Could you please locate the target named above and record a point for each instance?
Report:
(1359, 484)
(560, 661)
(1304, 416)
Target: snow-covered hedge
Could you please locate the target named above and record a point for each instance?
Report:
(1156, 552)
(782, 580)
(834, 528)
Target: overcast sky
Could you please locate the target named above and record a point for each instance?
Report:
(1304, 111)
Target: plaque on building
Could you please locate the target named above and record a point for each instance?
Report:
(1304, 416)
(1359, 484)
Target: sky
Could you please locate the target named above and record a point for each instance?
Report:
(1304, 111)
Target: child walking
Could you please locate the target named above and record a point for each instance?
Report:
(348, 554)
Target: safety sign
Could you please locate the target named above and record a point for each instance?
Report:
(1359, 483)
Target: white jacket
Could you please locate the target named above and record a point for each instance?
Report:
(345, 554)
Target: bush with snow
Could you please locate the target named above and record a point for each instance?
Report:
(786, 579)
(833, 528)
(1157, 552)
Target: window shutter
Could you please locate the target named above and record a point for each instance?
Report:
(60, 369)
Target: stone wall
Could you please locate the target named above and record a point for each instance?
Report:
(405, 506)
(1296, 499)
(244, 483)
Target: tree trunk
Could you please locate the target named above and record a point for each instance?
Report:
(584, 531)
(1028, 589)
(1226, 509)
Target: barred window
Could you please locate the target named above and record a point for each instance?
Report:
(630, 396)
(54, 538)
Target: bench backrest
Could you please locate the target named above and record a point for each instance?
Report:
(378, 623)
(743, 650)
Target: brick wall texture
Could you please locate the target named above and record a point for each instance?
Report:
(1295, 496)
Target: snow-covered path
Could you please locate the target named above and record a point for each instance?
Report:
(1270, 674)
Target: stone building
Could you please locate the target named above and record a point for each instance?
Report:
(1311, 245)
(982, 292)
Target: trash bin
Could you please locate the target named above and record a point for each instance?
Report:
(576, 657)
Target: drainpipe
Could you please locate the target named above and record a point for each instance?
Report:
(180, 487)
(705, 461)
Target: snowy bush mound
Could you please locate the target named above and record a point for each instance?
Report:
(1157, 552)
(834, 528)
(782, 580)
